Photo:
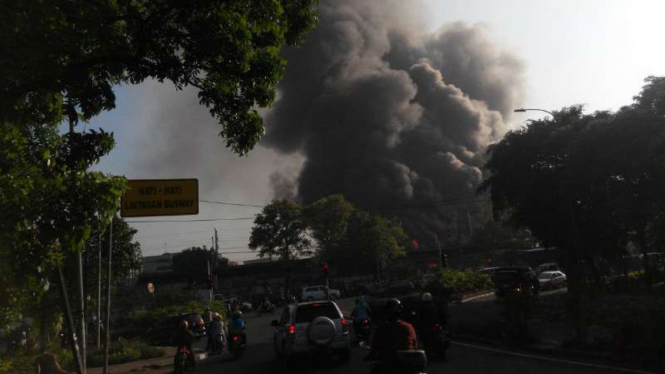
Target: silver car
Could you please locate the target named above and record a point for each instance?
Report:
(312, 327)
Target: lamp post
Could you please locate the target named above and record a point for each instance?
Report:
(522, 110)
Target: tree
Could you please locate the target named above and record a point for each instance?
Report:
(127, 256)
(588, 184)
(60, 57)
(328, 219)
(49, 205)
(280, 231)
(194, 262)
(374, 241)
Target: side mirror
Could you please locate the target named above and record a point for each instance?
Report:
(274, 323)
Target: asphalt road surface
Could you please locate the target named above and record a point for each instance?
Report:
(462, 358)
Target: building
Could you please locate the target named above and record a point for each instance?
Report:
(158, 264)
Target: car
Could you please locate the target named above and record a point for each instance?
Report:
(313, 293)
(551, 279)
(312, 327)
(162, 332)
(550, 266)
(515, 279)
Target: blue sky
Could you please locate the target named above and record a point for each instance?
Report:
(592, 52)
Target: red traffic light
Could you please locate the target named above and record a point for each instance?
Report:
(325, 267)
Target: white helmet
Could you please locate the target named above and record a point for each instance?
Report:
(426, 297)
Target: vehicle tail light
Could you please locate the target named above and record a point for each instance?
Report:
(344, 326)
(365, 322)
(316, 305)
(236, 338)
(292, 329)
(437, 327)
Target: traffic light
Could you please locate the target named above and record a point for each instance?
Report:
(325, 268)
(444, 259)
(209, 282)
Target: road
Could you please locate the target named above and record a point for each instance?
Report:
(463, 358)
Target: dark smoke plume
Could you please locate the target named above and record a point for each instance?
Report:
(390, 116)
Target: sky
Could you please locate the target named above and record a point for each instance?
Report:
(591, 52)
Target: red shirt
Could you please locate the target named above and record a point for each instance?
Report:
(392, 337)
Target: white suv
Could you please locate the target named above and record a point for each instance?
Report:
(318, 293)
(310, 328)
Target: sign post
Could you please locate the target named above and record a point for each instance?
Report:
(160, 197)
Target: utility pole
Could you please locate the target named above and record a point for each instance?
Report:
(79, 271)
(438, 247)
(216, 249)
(108, 301)
(209, 275)
(99, 294)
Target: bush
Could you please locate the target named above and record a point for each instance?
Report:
(452, 283)
(124, 351)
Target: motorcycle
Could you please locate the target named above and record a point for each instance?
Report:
(181, 361)
(435, 342)
(408, 362)
(363, 329)
(217, 345)
(237, 345)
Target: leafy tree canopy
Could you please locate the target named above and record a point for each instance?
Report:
(63, 57)
(328, 219)
(280, 231)
(587, 183)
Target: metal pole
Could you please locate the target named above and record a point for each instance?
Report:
(79, 271)
(99, 294)
(438, 247)
(108, 301)
(210, 293)
(70, 322)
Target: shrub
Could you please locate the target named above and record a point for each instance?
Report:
(455, 284)
(124, 351)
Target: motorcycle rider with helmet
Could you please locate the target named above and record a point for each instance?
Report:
(184, 338)
(392, 336)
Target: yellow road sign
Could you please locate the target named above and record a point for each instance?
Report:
(160, 197)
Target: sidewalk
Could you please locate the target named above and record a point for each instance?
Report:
(158, 365)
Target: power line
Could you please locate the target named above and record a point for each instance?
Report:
(195, 220)
(231, 204)
(172, 234)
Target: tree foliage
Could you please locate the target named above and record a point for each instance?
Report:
(194, 262)
(60, 57)
(586, 183)
(49, 205)
(280, 230)
(328, 219)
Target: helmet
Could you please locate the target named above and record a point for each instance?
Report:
(392, 308)
(184, 325)
(216, 316)
(237, 314)
(426, 297)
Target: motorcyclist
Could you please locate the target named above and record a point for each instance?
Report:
(216, 329)
(185, 338)
(361, 311)
(237, 325)
(393, 336)
(429, 314)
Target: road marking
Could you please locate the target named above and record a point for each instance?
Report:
(478, 297)
(543, 358)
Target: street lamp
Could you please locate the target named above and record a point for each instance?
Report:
(522, 110)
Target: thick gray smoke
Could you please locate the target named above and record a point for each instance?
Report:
(389, 116)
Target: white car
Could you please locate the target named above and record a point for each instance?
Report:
(551, 280)
(318, 293)
(313, 327)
